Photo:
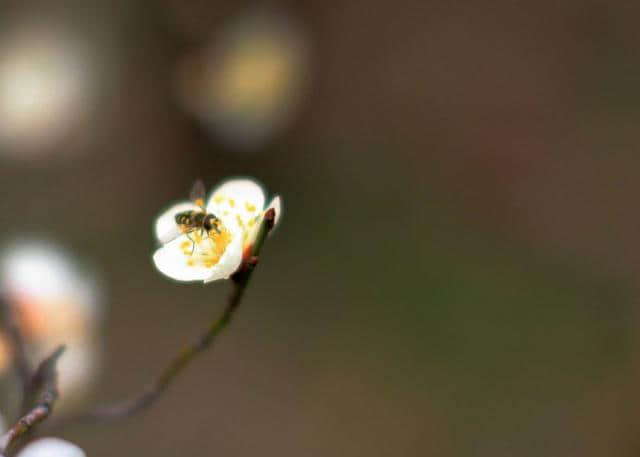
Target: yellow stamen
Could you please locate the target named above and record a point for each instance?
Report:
(206, 251)
(232, 203)
(251, 208)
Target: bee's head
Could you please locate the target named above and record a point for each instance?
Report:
(210, 222)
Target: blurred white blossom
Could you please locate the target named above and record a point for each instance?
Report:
(51, 447)
(56, 301)
(44, 86)
(249, 82)
(6, 355)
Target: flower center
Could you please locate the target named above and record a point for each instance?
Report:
(205, 248)
(247, 215)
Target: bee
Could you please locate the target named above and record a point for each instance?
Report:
(197, 220)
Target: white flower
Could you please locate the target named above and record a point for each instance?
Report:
(55, 301)
(198, 255)
(53, 295)
(51, 447)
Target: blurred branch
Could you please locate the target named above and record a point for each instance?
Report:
(45, 382)
(143, 400)
(20, 358)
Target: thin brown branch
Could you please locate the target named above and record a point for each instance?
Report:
(143, 400)
(147, 397)
(45, 381)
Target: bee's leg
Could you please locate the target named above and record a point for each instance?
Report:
(193, 243)
(202, 234)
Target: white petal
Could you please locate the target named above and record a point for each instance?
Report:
(166, 227)
(51, 447)
(252, 232)
(241, 190)
(172, 262)
(230, 260)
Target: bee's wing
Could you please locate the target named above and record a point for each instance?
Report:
(169, 235)
(198, 193)
(166, 228)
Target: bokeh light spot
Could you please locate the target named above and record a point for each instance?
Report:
(44, 80)
(248, 83)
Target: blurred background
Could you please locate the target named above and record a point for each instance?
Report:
(456, 270)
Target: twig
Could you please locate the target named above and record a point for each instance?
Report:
(143, 400)
(45, 380)
(20, 357)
